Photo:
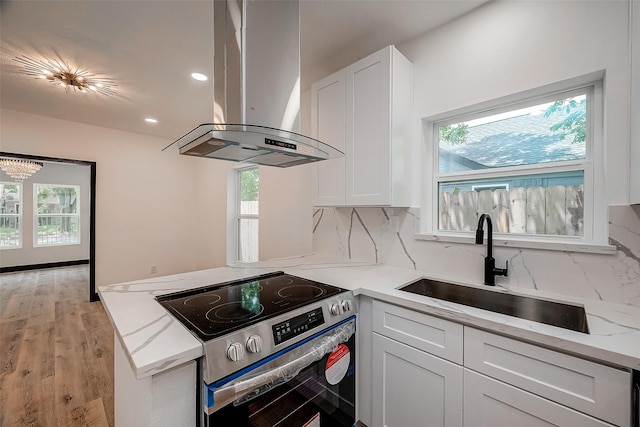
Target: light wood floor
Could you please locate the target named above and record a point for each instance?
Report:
(56, 351)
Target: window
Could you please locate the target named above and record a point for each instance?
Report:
(57, 214)
(248, 192)
(10, 215)
(529, 162)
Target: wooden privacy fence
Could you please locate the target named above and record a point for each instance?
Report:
(248, 235)
(555, 210)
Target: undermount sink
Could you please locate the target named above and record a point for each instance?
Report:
(554, 313)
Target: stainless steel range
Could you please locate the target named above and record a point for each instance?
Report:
(278, 350)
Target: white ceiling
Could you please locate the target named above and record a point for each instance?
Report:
(150, 48)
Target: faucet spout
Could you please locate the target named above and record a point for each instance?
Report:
(490, 270)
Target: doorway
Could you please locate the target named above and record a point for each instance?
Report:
(93, 295)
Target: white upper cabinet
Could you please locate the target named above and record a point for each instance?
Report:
(634, 171)
(328, 121)
(377, 100)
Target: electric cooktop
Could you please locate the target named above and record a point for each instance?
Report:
(215, 310)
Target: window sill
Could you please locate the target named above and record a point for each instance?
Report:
(52, 245)
(499, 241)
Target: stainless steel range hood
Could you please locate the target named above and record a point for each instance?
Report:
(256, 89)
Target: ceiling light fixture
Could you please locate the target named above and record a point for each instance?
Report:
(20, 169)
(63, 75)
(150, 120)
(199, 76)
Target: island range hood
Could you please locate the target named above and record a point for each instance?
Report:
(256, 89)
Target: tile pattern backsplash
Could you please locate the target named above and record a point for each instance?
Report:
(385, 235)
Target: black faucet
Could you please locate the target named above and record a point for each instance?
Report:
(490, 270)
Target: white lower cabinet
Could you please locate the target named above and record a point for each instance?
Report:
(414, 388)
(417, 372)
(582, 385)
(428, 371)
(492, 403)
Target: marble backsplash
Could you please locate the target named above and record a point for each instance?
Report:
(386, 236)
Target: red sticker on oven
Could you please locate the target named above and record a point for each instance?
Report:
(313, 422)
(337, 364)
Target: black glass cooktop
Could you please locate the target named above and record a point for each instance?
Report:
(212, 311)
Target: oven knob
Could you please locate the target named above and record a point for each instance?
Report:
(336, 309)
(254, 344)
(346, 305)
(235, 352)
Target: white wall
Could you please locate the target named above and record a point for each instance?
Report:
(501, 48)
(373, 238)
(285, 203)
(160, 208)
(285, 212)
(51, 173)
(143, 198)
(506, 47)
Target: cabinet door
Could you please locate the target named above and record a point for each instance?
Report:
(490, 403)
(328, 125)
(368, 85)
(634, 171)
(588, 387)
(414, 388)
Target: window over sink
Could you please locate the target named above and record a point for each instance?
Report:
(533, 161)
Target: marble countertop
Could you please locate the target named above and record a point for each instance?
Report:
(155, 341)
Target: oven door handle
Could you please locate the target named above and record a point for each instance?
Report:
(249, 388)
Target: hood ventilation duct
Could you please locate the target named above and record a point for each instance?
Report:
(256, 89)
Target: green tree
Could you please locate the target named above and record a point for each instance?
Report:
(249, 185)
(454, 134)
(8, 194)
(66, 198)
(575, 122)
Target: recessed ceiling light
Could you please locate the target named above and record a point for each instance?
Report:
(150, 120)
(199, 76)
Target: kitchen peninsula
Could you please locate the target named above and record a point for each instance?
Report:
(155, 368)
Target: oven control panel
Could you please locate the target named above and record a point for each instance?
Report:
(298, 325)
(241, 348)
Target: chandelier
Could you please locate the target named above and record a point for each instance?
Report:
(62, 74)
(20, 169)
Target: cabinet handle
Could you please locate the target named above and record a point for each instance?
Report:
(636, 399)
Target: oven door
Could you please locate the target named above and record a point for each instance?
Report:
(310, 384)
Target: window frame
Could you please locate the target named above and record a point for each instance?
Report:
(595, 237)
(234, 215)
(18, 215)
(36, 216)
(480, 187)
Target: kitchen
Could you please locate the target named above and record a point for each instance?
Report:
(599, 36)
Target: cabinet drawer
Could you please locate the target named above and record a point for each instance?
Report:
(431, 334)
(488, 402)
(594, 389)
